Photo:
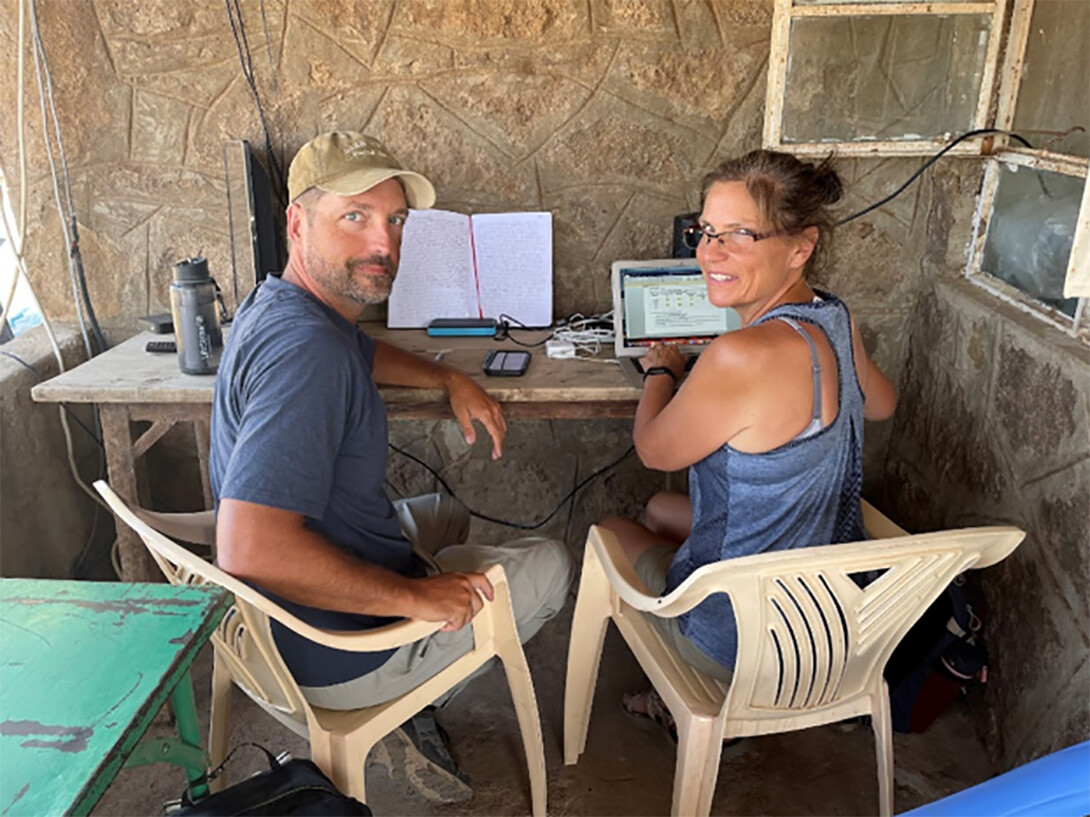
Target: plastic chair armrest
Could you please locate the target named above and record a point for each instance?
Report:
(622, 576)
(389, 637)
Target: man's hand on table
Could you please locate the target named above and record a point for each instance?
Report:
(453, 598)
(470, 402)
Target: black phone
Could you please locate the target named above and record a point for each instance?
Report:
(506, 362)
(160, 346)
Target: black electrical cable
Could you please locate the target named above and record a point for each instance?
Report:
(927, 164)
(516, 525)
(76, 258)
(245, 58)
(503, 332)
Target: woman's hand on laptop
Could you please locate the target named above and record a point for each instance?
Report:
(661, 354)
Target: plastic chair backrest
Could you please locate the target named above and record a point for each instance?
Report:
(808, 635)
(244, 630)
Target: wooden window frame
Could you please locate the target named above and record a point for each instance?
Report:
(786, 12)
(996, 151)
(1077, 278)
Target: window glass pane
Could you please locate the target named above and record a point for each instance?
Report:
(24, 312)
(1055, 77)
(1031, 231)
(888, 77)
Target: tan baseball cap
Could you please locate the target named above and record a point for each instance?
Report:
(347, 163)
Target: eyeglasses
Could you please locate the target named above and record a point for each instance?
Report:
(740, 239)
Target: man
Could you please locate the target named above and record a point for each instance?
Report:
(298, 458)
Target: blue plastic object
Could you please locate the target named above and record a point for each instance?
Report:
(461, 331)
(1057, 785)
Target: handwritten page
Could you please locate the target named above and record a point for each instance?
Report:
(435, 276)
(515, 265)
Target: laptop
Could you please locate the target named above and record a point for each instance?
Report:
(663, 300)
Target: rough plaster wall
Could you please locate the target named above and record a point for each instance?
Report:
(605, 112)
(44, 519)
(994, 428)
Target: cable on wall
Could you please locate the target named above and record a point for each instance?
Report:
(68, 217)
(245, 58)
(931, 161)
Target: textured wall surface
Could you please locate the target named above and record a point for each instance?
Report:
(45, 521)
(605, 112)
(994, 428)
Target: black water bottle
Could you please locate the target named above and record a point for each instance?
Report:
(196, 320)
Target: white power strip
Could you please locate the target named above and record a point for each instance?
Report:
(559, 349)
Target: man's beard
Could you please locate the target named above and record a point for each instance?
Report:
(352, 281)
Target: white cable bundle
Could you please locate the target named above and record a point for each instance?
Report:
(586, 334)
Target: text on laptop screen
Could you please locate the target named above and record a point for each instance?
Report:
(669, 304)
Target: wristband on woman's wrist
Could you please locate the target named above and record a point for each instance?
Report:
(660, 370)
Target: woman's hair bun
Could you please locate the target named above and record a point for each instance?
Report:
(827, 181)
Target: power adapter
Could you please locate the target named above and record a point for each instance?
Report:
(559, 349)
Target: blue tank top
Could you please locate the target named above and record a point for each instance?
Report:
(805, 492)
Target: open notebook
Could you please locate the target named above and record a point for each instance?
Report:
(487, 265)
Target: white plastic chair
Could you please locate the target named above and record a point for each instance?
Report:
(812, 644)
(339, 740)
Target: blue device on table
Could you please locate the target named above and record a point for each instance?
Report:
(447, 327)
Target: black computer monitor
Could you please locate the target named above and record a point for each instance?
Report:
(255, 216)
(680, 224)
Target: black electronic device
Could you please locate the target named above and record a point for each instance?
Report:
(446, 327)
(160, 346)
(252, 218)
(506, 362)
(161, 323)
(680, 223)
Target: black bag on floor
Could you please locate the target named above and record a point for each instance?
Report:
(289, 788)
(937, 659)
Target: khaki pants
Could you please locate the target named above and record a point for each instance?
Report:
(539, 572)
(652, 567)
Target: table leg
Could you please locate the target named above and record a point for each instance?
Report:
(136, 563)
(202, 432)
(189, 732)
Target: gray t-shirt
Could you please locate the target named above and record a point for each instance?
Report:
(298, 424)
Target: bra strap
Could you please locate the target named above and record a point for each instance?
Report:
(815, 367)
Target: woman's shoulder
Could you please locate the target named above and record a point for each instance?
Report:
(751, 346)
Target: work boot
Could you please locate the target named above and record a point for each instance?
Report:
(416, 760)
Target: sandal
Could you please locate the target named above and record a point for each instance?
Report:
(647, 709)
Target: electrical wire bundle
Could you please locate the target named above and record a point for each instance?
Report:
(588, 334)
(517, 525)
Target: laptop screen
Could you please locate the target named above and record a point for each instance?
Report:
(664, 301)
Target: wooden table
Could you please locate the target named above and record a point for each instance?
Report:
(86, 667)
(130, 386)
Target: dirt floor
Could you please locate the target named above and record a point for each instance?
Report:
(625, 770)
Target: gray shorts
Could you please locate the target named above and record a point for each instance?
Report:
(539, 572)
(652, 566)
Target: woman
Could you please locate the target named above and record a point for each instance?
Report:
(770, 420)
